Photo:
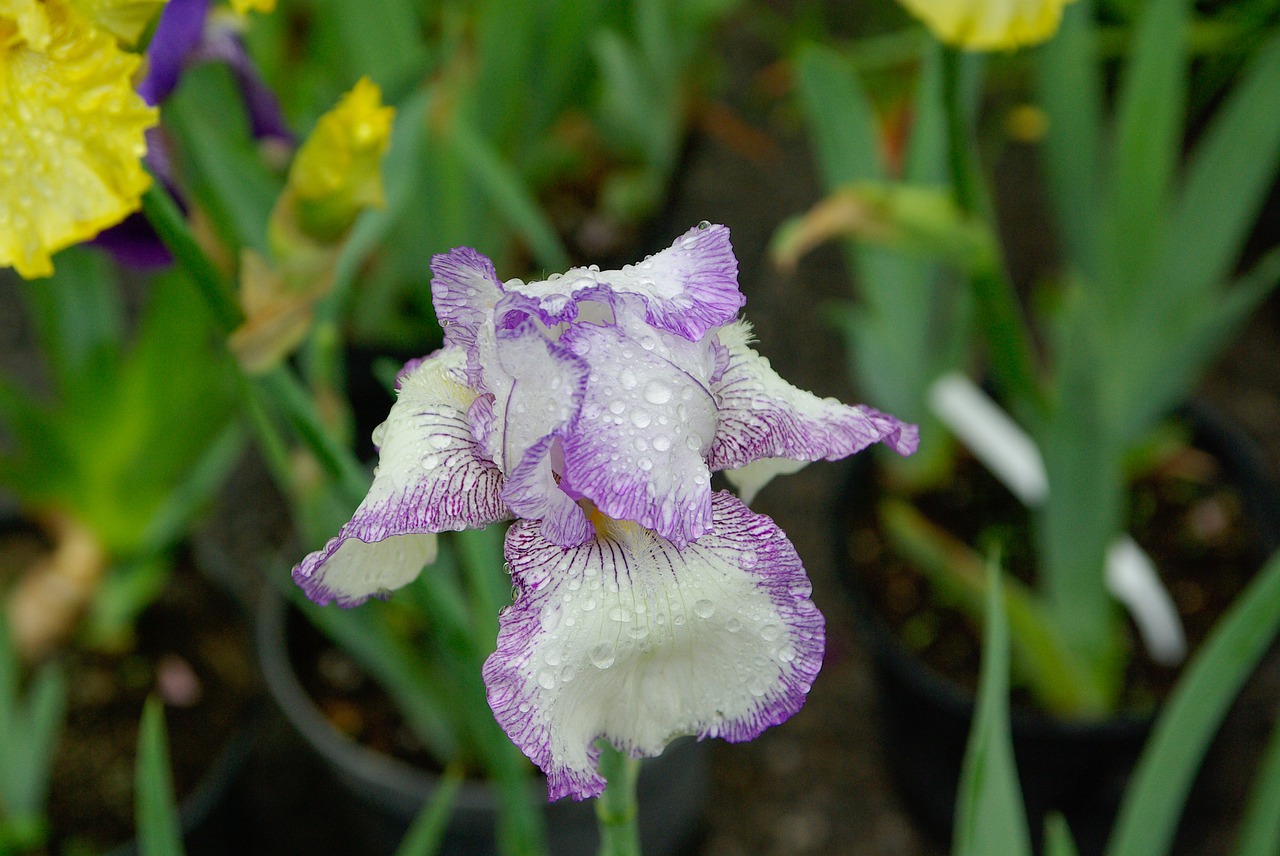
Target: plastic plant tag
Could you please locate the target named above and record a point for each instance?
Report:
(1011, 456)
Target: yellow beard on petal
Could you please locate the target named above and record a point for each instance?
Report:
(71, 137)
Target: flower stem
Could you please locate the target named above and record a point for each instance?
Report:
(617, 810)
(1009, 340)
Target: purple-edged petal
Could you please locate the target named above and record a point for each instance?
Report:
(178, 32)
(638, 447)
(763, 416)
(431, 477)
(464, 290)
(531, 492)
(687, 289)
(631, 639)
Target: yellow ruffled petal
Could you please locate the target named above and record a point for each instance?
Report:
(338, 170)
(244, 7)
(989, 24)
(71, 140)
(125, 19)
(23, 22)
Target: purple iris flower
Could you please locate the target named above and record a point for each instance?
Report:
(184, 37)
(593, 408)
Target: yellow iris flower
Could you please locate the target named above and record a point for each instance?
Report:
(71, 126)
(989, 24)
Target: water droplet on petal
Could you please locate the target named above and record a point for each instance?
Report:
(661, 443)
(641, 418)
(547, 679)
(617, 407)
(657, 392)
(704, 608)
(617, 613)
(704, 225)
(733, 625)
(602, 655)
(770, 632)
(430, 462)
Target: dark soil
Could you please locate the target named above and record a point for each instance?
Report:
(1186, 513)
(192, 649)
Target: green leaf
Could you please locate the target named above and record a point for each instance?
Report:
(77, 314)
(428, 828)
(990, 817)
(220, 158)
(1057, 837)
(1084, 510)
(156, 810)
(842, 121)
(1070, 89)
(1210, 682)
(1226, 183)
(508, 194)
(1260, 826)
(1148, 141)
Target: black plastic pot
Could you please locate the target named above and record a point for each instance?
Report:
(390, 792)
(1077, 768)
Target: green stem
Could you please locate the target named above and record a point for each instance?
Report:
(279, 386)
(166, 218)
(1009, 340)
(617, 810)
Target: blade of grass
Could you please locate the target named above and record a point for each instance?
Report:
(1209, 683)
(1057, 837)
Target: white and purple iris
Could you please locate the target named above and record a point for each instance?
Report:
(593, 408)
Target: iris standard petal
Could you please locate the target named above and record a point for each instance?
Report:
(431, 477)
(687, 289)
(545, 385)
(464, 290)
(762, 416)
(631, 639)
(639, 445)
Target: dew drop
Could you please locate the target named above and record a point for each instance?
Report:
(704, 608)
(547, 679)
(657, 392)
(430, 462)
(749, 559)
(693, 442)
(617, 407)
(617, 613)
(770, 632)
(379, 434)
(602, 655)
(704, 225)
(733, 625)
(641, 418)
(440, 441)
(661, 443)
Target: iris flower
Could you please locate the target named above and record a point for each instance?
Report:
(989, 24)
(71, 126)
(593, 407)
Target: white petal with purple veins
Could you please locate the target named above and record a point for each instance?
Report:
(631, 639)
(638, 447)
(762, 416)
(431, 477)
(464, 290)
(689, 288)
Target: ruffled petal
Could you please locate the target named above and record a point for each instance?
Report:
(989, 24)
(631, 639)
(763, 416)
(687, 289)
(546, 388)
(71, 130)
(464, 290)
(430, 477)
(638, 447)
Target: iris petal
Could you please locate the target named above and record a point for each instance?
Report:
(687, 289)
(431, 477)
(763, 416)
(638, 448)
(634, 640)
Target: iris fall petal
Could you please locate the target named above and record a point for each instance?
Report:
(631, 639)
